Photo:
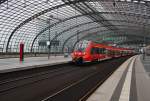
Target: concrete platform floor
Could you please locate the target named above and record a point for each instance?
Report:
(130, 82)
(13, 64)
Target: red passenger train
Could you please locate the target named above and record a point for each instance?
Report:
(88, 51)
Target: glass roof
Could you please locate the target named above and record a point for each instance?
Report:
(33, 21)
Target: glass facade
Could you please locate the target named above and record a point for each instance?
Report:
(67, 21)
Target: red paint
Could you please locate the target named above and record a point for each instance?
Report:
(21, 51)
(87, 56)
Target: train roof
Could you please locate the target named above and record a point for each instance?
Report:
(110, 47)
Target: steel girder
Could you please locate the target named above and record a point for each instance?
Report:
(128, 38)
(128, 42)
(103, 34)
(2, 1)
(114, 33)
(123, 34)
(76, 27)
(86, 35)
(37, 15)
(85, 8)
(129, 14)
(82, 37)
(94, 34)
(93, 21)
(136, 42)
(122, 13)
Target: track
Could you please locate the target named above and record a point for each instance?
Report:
(57, 83)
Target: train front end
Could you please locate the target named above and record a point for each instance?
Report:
(81, 52)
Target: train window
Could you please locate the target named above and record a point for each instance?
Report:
(110, 52)
(93, 51)
(81, 46)
(116, 52)
(106, 51)
(102, 50)
(98, 51)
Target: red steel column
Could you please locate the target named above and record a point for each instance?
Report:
(21, 52)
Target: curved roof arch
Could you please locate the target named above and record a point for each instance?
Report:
(87, 23)
(79, 25)
(137, 38)
(132, 22)
(27, 21)
(95, 33)
(95, 13)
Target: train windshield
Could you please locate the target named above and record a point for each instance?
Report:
(81, 46)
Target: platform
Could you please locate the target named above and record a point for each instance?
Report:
(13, 64)
(130, 82)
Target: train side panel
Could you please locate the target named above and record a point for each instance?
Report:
(96, 52)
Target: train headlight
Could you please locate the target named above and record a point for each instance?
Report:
(80, 53)
(84, 53)
(75, 53)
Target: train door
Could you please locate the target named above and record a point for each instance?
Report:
(97, 54)
(110, 52)
(101, 53)
(104, 53)
(93, 53)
